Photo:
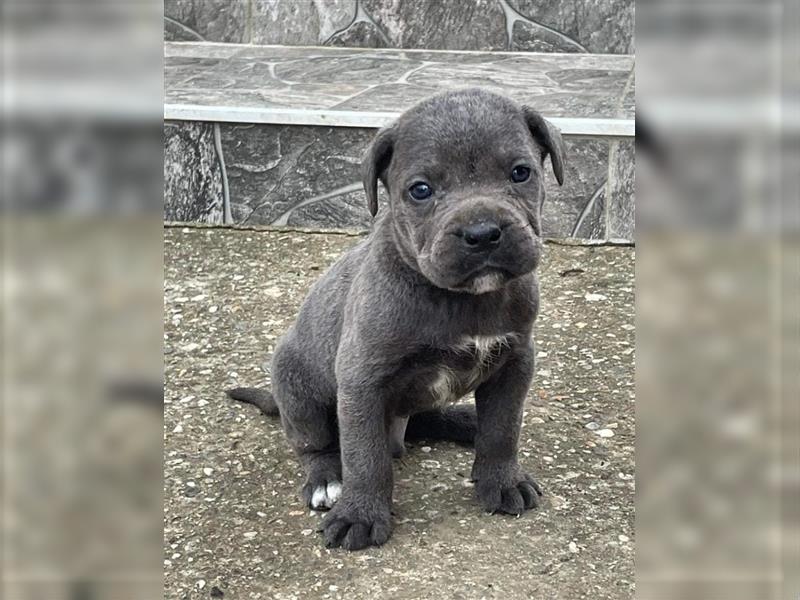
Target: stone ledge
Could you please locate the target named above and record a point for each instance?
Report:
(587, 95)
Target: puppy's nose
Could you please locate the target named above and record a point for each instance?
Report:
(482, 236)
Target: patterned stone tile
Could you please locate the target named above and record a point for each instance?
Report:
(349, 208)
(361, 69)
(591, 224)
(603, 26)
(473, 25)
(386, 97)
(621, 195)
(209, 20)
(300, 22)
(389, 81)
(312, 96)
(364, 34)
(585, 173)
(274, 169)
(310, 176)
(192, 174)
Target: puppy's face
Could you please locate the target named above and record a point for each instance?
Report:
(464, 171)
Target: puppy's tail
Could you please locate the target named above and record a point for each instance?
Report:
(259, 397)
(457, 423)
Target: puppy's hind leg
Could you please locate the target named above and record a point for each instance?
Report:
(458, 423)
(308, 416)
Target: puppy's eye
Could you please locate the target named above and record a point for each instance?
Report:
(520, 173)
(420, 191)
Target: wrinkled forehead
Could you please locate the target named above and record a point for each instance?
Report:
(452, 139)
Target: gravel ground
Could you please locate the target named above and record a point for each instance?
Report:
(234, 527)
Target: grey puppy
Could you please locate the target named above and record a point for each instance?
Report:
(438, 301)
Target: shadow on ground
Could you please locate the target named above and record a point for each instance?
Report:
(234, 526)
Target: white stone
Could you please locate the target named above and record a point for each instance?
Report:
(594, 297)
(573, 547)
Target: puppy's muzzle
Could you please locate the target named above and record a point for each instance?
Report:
(482, 236)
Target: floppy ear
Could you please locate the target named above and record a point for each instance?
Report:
(375, 163)
(548, 136)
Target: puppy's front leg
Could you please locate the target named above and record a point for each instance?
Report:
(500, 484)
(362, 517)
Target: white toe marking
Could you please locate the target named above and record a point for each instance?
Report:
(326, 497)
(334, 492)
(319, 498)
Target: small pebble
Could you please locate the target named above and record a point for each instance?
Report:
(431, 464)
(592, 425)
(605, 433)
(573, 547)
(623, 538)
(207, 471)
(595, 297)
(426, 449)
(250, 535)
(201, 584)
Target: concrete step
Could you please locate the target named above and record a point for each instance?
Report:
(274, 134)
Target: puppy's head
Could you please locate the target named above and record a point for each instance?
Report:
(465, 175)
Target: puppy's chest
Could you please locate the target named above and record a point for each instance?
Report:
(459, 369)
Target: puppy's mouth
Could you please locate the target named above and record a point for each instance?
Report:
(485, 279)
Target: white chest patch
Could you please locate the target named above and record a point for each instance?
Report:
(444, 386)
(487, 346)
(449, 385)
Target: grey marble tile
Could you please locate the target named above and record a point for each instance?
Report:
(288, 96)
(209, 51)
(602, 26)
(591, 224)
(364, 34)
(628, 104)
(310, 176)
(210, 20)
(330, 78)
(621, 200)
(273, 170)
(586, 169)
(531, 37)
(356, 70)
(473, 25)
(192, 174)
(386, 97)
(181, 68)
(348, 208)
(300, 22)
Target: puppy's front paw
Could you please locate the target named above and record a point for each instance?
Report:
(511, 495)
(354, 527)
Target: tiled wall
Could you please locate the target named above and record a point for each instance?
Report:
(598, 26)
(310, 176)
